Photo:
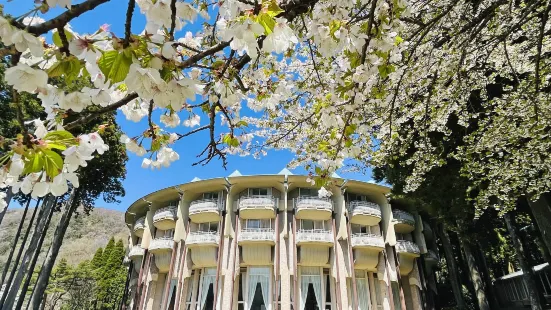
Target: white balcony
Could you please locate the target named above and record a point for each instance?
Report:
(160, 245)
(203, 238)
(364, 213)
(205, 210)
(407, 251)
(404, 222)
(257, 207)
(368, 241)
(257, 236)
(313, 208)
(136, 252)
(139, 226)
(165, 218)
(315, 236)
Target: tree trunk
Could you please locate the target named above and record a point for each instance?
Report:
(15, 242)
(474, 274)
(534, 294)
(48, 207)
(9, 195)
(25, 287)
(452, 267)
(541, 212)
(49, 262)
(494, 303)
(19, 253)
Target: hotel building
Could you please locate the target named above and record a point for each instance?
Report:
(270, 242)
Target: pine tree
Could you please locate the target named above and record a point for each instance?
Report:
(97, 260)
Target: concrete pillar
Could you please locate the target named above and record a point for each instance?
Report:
(372, 290)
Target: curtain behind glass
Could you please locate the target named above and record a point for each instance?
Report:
(259, 275)
(363, 294)
(208, 279)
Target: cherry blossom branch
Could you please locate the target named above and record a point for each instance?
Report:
(93, 114)
(312, 55)
(63, 18)
(213, 50)
(172, 19)
(65, 44)
(128, 23)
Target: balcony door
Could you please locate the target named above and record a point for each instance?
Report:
(259, 288)
(311, 288)
(362, 288)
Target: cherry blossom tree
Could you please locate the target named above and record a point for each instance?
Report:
(328, 80)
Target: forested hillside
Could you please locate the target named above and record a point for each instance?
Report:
(86, 233)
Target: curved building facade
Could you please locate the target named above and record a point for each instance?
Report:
(270, 242)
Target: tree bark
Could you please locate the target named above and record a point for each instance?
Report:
(48, 207)
(19, 253)
(494, 303)
(61, 228)
(474, 274)
(541, 212)
(15, 242)
(32, 265)
(9, 195)
(452, 267)
(534, 294)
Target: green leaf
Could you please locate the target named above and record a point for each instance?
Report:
(57, 69)
(57, 40)
(115, 65)
(35, 163)
(267, 21)
(398, 40)
(53, 163)
(241, 124)
(59, 135)
(274, 9)
(56, 146)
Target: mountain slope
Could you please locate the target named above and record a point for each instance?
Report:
(83, 237)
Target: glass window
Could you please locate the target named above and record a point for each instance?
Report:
(213, 195)
(258, 191)
(209, 226)
(308, 192)
(396, 296)
(253, 224)
(312, 225)
(354, 197)
(360, 229)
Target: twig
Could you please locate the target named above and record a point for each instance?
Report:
(312, 55)
(128, 24)
(213, 50)
(189, 133)
(544, 17)
(150, 121)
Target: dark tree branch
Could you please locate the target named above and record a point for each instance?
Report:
(544, 18)
(212, 148)
(128, 24)
(189, 133)
(213, 50)
(172, 19)
(312, 56)
(92, 115)
(150, 121)
(65, 44)
(63, 18)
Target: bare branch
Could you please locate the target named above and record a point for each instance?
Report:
(65, 44)
(312, 56)
(213, 50)
(189, 133)
(150, 121)
(128, 24)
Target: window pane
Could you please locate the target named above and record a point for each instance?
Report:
(253, 223)
(307, 224)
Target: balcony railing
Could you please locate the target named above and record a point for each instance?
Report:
(205, 205)
(257, 234)
(199, 237)
(403, 217)
(315, 203)
(161, 243)
(136, 251)
(140, 223)
(367, 240)
(365, 207)
(257, 201)
(405, 246)
(314, 235)
(166, 213)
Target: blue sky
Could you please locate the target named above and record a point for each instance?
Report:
(139, 181)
